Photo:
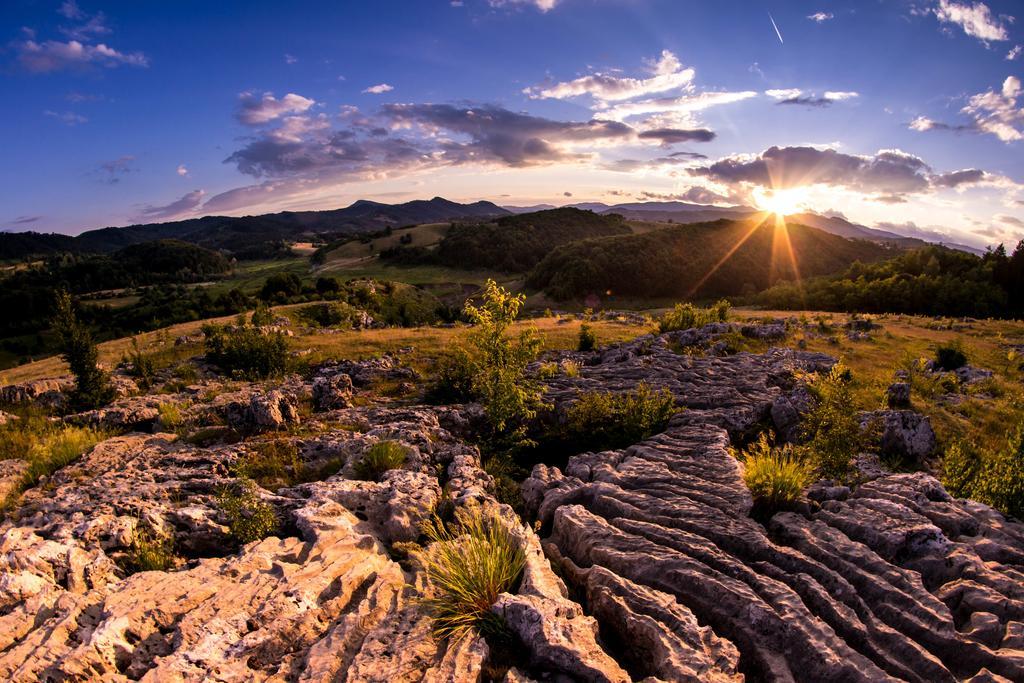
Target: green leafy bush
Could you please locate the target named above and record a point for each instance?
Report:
(467, 566)
(993, 477)
(141, 366)
(381, 457)
(249, 517)
(831, 428)
(685, 316)
(261, 315)
(499, 381)
(776, 477)
(587, 339)
(950, 357)
(334, 314)
(247, 351)
(453, 377)
(602, 420)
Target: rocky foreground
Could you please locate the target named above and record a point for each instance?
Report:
(645, 564)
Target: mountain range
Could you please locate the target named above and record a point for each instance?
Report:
(264, 235)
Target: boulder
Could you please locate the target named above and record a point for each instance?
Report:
(905, 434)
(898, 395)
(332, 391)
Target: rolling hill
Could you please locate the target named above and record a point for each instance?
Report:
(720, 258)
(248, 236)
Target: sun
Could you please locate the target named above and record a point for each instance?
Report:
(781, 202)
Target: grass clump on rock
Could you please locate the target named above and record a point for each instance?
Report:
(994, 476)
(833, 433)
(467, 565)
(601, 420)
(381, 457)
(776, 476)
(150, 551)
(271, 464)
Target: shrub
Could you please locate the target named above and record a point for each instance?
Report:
(508, 396)
(994, 477)
(280, 286)
(831, 428)
(453, 378)
(467, 566)
(247, 351)
(686, 315)
(271, 464)
(141, 365)
(150, 552)
(261, 315)
(249, 517)
(950, 357)
(776, 477)
(548, 370)
(571, 368)
(381, 457)
(603, 420)
(587, 339)
(92, 386)
(959, 468)
(335, 314)
(45, 445)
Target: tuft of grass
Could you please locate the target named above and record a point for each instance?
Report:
(271, 464)
(775, 476)
(381, 457)
(149, 552)
(571, 367)
(171, 417)
(832, 430)
(601, 420)
(467, 565)
(249, 517)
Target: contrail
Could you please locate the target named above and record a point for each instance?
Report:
(776, 27)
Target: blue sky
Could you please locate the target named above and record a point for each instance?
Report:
(889, 112)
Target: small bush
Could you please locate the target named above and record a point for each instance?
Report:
(548, 371)
(587, 339)
(959, 468)
(467, 566)
(141, 366)
(453, 378)
(686, 315)
(603, 420)
(993, 477)
(271, 464)
(335, 314)
(149, 552)
(776, 477)
(249, 518)
(382, 456)
(247, 351)
(950, 357)
(571, 368)
(831, 428)
(261, 315)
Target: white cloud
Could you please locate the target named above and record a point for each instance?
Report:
(681, 108)
(821, 17)
(378, 89)
(542, 5)
(70, 10)
(667, 74)
(784, 93)
(182, 171)
(290, 59)
(53, 55)
(1014, 53)
(976, 20)
(255, 110)
(997, 113)
(68, 118)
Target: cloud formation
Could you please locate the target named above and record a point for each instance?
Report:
(671, 136)
(542, 5)
(68, 118)
(52, 55)
(182, 171)
(255, 110)
(992, 112)
(821, 17)
(111, 172)
(809, 99)
(976, 20)
(667, 73)
(890, 173)
(186, 204)
(378, 89)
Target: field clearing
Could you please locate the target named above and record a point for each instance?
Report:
(356, 252)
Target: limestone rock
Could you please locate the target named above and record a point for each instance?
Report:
(898, 395)
(332, 391)
(904, 433)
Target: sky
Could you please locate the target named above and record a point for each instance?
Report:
(892, 113)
